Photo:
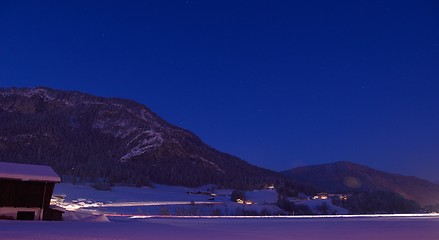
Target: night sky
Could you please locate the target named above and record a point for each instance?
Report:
(279, 84)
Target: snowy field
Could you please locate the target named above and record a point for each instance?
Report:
(173, 200)
(109, 215)
(410, 228)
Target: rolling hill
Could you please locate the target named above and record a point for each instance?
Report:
(348, 177)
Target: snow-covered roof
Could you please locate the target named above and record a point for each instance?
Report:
(28, 172)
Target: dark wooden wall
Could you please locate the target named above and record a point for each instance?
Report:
(15, 193)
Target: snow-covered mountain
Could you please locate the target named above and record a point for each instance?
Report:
(92, 137)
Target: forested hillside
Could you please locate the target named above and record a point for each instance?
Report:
(113, 139)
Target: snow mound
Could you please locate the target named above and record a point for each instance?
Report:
(84, 217)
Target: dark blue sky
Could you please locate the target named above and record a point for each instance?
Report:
(278, 83)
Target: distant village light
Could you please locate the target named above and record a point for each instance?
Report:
(322, 196)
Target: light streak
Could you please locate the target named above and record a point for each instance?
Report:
(139, 216)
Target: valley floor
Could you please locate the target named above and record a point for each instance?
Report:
(85, 219)
(388, 228)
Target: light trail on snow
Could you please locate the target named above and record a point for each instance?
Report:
(140, 216)
(139, 204)
(81, 205)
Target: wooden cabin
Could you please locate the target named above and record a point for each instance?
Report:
(26, 190)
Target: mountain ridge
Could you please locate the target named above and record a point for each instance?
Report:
(76, 132)
(348, 177)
